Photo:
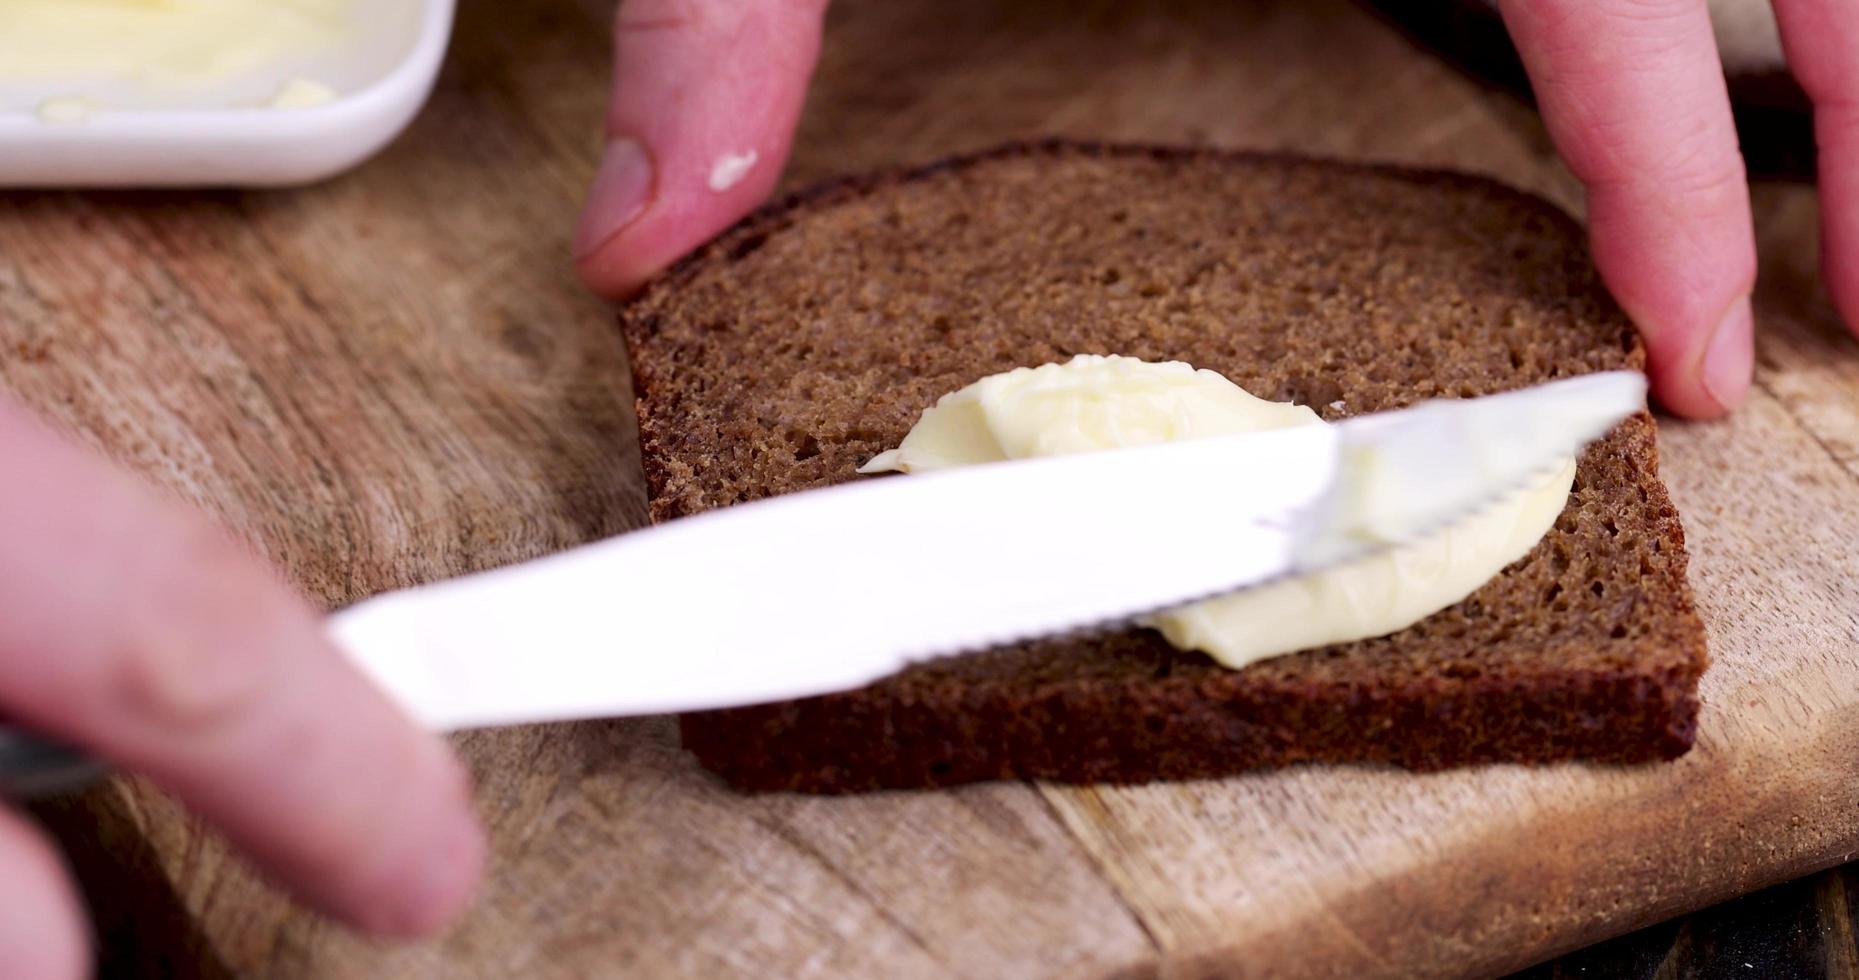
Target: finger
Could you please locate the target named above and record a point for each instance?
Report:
(1821, 40)
(132, 627)
(42, 935)
(706, 95)
(1634, 97)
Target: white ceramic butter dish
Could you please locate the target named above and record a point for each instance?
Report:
(239, 130)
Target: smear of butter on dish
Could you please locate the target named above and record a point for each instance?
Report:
(1093, 402)
(67, 111)
(161, 41)
(302, 93)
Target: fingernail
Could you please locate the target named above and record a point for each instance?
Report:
(445, 876)
(1729, 357)
(623, 186)
(448, 880)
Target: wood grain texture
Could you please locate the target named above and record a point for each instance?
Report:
(1800, 930)
(393, 378)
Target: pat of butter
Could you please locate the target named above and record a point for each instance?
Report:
(161, 42)
(66, 111)
(1094, 402)
(302, 93)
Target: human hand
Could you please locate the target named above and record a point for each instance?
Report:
(132, 628)
(1632, 91)
(706, 94)
(1634, 97)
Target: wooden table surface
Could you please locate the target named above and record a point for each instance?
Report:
(394, 378)
(1799, 930)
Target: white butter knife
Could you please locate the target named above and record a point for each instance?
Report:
(831, 589)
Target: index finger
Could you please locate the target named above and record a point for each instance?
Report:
(706, 95)
(135, 629)
(1634, 96)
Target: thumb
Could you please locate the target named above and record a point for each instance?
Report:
(706, 94)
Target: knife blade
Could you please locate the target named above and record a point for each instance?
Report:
(830, 589)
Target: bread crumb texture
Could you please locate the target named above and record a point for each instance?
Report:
(811, 337)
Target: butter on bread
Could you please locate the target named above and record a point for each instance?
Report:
(1098, 401)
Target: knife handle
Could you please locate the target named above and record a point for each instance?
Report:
(33, 768)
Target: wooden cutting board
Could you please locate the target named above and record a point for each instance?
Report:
(394, 378)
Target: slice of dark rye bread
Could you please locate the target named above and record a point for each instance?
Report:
(812, 336)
